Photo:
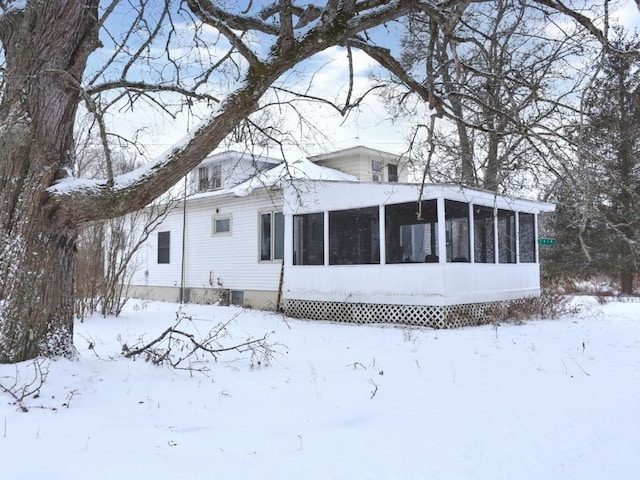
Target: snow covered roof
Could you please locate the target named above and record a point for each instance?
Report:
(301, 169)
(234, 155)
(353, 151)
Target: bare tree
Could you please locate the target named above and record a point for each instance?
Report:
(47, 46)
(166, 54)
(597, 224)
(508, 82)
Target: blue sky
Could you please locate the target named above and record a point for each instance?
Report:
(370, 126)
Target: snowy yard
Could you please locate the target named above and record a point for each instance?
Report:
(552, 399)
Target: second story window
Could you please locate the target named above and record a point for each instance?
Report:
(209, 178)
(377, 169)
(392, 170)
(203, 179)
(216, 177)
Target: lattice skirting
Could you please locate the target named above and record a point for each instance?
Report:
(450, 316)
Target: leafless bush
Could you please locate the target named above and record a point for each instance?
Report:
(21, 389)
(550, 304)
(182, 347)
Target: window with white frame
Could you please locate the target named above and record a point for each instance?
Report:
(377, 169)
(164, 247)
(221, 225)
(209, 178)
(392, 172)
(203, 179)
(271, 236)
(527, 237)
(308, 239)
(456, 215)
(484, 244)
(506, 236)
(216, 177)
(354, 236)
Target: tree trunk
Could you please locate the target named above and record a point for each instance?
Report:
(627, 273)
(46, 47)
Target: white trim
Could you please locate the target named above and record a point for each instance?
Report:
(217, 217)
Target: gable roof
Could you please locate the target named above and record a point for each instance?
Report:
(301, 169)
(351, 151)
(234, 155)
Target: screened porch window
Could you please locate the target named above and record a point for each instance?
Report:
(308, 239)
(456, 215)
(484, 243)
(411, 232)
(354, 236)
(527, 237)
(506, 236)
(271, 236)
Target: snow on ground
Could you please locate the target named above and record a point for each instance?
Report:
(551, 399)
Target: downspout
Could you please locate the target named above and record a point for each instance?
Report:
(184, 238)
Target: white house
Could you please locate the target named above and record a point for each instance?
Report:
(344, 236)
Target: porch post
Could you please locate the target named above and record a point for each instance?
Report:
(383, 240)
(442, 232)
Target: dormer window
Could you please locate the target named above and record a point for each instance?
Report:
(203, 179)
(216, 177)
(209, 178)
(377, 169)
(392, 171)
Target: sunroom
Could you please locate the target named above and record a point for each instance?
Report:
(435, 255)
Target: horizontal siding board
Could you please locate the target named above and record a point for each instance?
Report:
(234, 259)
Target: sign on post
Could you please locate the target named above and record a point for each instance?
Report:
(546, 241)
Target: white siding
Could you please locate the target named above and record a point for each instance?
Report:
(357, 162)
(234, 259)
(147, 269)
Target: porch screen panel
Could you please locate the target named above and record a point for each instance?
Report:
(506, 236)
(308, 239)
(527, 237)
(411, 232)
(354, 236)
(483, 235)
(457, 228)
